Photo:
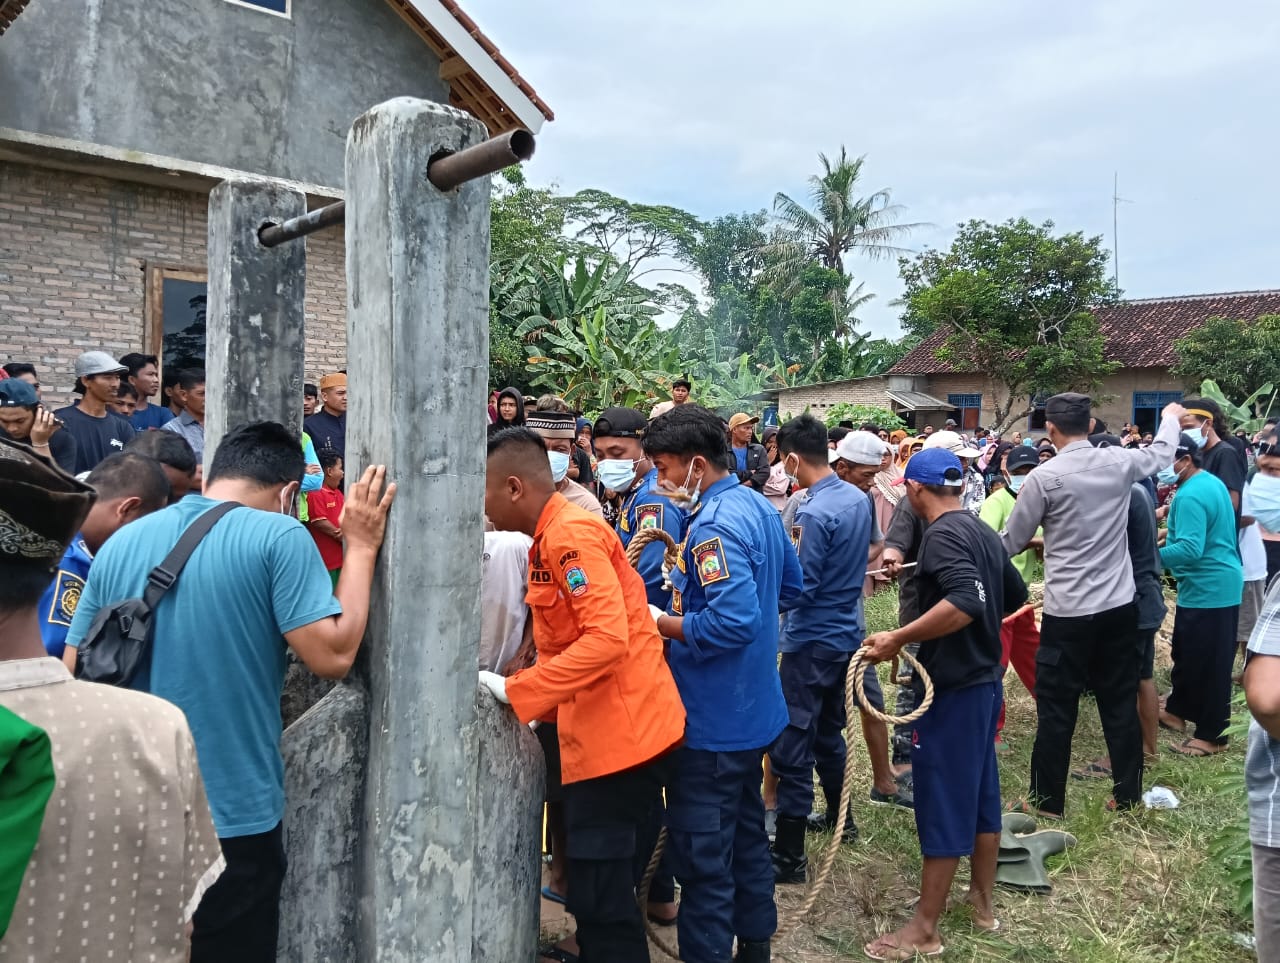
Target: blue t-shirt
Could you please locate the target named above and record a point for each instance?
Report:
(148, 416)
(740, 457)
(219, 652)
(60, 599)
(831, 533)
(735, 566)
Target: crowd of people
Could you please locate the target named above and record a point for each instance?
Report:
(703, 694)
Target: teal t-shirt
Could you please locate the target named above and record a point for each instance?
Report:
(219, 651)
(1200, 549)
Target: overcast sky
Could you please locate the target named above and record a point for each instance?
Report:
(991, 110)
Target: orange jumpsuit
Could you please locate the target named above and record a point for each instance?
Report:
(600, 658)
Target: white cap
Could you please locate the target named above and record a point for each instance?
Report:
(861, 448)
(953, 443)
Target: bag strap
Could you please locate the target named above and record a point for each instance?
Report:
(162, 577)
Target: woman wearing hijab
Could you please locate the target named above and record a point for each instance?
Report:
(778, 485)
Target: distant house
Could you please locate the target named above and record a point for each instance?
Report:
(1139, 336)
(117, 118)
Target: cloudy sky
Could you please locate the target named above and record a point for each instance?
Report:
(965, 109)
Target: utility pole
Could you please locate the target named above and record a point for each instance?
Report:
(1116, 201)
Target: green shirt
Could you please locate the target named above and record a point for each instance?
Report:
(995, 512)
(1200, 549)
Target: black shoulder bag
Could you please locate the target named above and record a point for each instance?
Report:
(119, 640)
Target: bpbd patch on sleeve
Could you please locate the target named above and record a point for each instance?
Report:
(710, 561)
(66, 598)
(576, 580)
(648, 516)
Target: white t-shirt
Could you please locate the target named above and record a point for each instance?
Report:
(504, 582)
(1252, 552)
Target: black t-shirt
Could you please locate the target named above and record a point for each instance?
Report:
(904, 533)
(583, 461)
(1230, 466)
(95, 438)
(962, 560)
(328, 431)
(62, 447)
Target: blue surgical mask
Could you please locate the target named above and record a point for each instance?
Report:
(1264, 501)
(1197, 435)
(1015, 482)
(559, 465)
(616, 474)
(1167, 476)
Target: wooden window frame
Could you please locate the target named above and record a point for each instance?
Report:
(153, 308)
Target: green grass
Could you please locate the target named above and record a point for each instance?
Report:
(1138, 887)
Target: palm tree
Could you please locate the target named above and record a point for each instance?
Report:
(838, 222)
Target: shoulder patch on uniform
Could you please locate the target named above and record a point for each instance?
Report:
(797, 533)
(709, 559)
(66, 598)
(568, 557)
(576, 580)
(648, 516)
(677, 602)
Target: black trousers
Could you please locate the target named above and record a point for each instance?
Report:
(1100, 652)
(1204, 650)
(603, 818)
(238, 919)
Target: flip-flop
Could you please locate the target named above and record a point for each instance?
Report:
(549, 893)
(1092, 771)
(900, 952)
(1185, 748)
(553, 952)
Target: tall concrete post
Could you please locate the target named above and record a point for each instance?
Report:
(417, 347)
(254, 321)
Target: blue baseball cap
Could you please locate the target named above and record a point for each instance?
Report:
(16, 393)
(935, 466)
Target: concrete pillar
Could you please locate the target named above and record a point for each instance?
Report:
(417, 349)
(254, 335)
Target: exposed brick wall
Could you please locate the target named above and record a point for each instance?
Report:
(818, 398)
(72, 253)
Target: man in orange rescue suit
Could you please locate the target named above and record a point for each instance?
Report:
(601, 667)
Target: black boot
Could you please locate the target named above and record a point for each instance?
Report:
(789, 860)
(749, 952)
(825, 822)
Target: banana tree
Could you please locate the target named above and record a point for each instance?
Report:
(1248, 416)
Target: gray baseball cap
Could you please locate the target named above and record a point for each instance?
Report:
(96, 363)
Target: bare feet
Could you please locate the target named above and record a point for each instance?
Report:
(1171, 722)
(905, 944)
(1197, 747)
(984, 912)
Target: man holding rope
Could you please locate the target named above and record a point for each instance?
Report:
(735, 568)
(966, 585)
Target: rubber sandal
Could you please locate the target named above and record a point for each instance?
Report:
(553, 952)
(1185, 748)
(900, 952)
(1092, 771)
(549, 893)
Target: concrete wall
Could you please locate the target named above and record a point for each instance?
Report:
(212, 81)
(818, 398)
(1115, 400)
(73, 249)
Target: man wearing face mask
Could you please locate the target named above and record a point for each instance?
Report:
(736, 568)
(1201, 552)
(559, 432)
(1218, 456)
(254, 585)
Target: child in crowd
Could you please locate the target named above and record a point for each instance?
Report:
(324, 513)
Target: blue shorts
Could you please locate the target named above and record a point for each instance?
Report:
(953, 769)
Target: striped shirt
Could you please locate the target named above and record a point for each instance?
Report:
(1262, 758)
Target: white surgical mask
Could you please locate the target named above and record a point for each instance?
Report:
(559, 465)
(683, 496)
(791, 475)
(616, 474)
(1015, 482)
(1264, 501)
(1167, 476)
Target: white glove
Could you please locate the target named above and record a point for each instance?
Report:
(656, 612)
(495, 684)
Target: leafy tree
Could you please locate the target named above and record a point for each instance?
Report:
(730, 251)
(630, 233)
(1015, 302)
(860, 415)
(1240, 355)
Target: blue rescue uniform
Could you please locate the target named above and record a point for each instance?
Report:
(831, 533)
(59, 601)
(736, 565)
(646, 507)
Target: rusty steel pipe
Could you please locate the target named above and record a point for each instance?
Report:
(446, 172)
(449, 170)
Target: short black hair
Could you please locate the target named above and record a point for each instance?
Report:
(189, 378)
(681, 383)
(125, 474)
(1073, 422)
(264, 452)
(328, 457)
(16, 369)
(22, 584)
(943, 491)
(516, 438)
(838, 433)
(868, 426)
(805, 436)
(127, 390)
(169, 378)
(688, 430)
(310, 391)
(1211, 406)
(166, 447)
(135, 362)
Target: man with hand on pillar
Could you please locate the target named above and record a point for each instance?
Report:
(601, 668)
(735, 567)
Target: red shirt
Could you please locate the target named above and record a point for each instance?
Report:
(326, 503)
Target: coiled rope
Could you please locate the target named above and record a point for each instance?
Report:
(854, 699)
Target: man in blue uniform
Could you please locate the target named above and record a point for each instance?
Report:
(831, 532)
(129, 486)
(624, 468)
(736, 565)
